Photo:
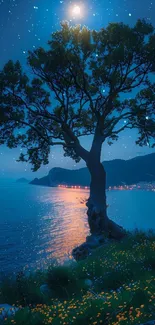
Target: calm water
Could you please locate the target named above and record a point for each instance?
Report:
(38, 224)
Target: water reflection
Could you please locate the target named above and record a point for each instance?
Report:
(66, 225)
(39, 224)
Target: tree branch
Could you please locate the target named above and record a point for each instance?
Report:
(47, 115)
(32, 127)
(126, 126)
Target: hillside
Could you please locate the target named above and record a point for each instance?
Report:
(22, 180)
(139, 169)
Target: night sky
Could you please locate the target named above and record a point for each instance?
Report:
(26, 25)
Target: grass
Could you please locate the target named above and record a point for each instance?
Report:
(122, 291)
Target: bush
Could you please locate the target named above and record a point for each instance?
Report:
(27, 317)
(23, 290)
(64, 282)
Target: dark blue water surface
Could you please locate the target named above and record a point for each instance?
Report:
(41, 224)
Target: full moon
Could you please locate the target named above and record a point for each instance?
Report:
(76, 10)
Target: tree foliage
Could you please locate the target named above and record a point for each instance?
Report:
(78, 87)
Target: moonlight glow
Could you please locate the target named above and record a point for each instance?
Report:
(76, 10)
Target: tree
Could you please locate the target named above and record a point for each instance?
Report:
(77, 87)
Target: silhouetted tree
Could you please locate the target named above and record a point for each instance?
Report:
(78, 87)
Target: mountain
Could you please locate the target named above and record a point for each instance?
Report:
(138, 169)
(22, 180)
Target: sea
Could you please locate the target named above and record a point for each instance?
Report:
(40, 226)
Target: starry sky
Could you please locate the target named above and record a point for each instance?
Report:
(26, 25)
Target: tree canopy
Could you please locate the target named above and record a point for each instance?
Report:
(77, 87)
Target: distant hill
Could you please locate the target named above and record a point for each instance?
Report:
(22, 180)
(139, 169)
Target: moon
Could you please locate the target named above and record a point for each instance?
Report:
(76, 10)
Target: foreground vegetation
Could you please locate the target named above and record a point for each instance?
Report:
(120, 289)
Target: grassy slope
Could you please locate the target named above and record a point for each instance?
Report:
(123, 277)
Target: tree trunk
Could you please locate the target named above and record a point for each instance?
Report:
(98, 220)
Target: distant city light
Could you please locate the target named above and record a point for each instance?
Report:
(139, 186)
